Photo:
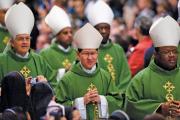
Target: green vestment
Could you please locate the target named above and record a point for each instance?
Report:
(33, 66)
(149, 88)
(112, 58)
(4, 38)
(179, 54)
(75, 83)
(57, 58)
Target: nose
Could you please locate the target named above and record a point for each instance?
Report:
(171, 54)
(89, 56)
(103, 30)
(70, 34)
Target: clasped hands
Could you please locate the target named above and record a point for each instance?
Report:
(91, 96)
(171, 108)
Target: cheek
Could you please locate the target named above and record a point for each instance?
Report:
(163, 58)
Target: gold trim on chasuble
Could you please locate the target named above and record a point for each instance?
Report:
(67, 64)
(169, 87)
(6, 40)
(108, 58)
(25, 71)
(96, 111)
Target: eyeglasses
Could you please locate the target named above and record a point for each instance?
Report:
(168, 52)
(23, 38)
(87, 54)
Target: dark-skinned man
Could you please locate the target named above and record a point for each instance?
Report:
(111, 56)
(155, 89)
(60, 55)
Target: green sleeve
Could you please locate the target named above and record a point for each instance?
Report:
(137, 106)
(51, 75)
(62, 94)
(114, 97)
(0, 73)
(4, 38)
(179, 54)
(47, 71)
(2, 60)
(125, 74)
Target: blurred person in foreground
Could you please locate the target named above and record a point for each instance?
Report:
(32, 97)
(14, 92)
(155, 89)
(55, 110)
(118, 115)
(86, 85)
(14, 113)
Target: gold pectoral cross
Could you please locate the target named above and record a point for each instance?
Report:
(5, 40)
(108, 58)
(66, 63)
(169, 87)
(25, 71)
(96, 111)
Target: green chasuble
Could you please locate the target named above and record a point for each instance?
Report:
(179, 54)
(76, 83)
(33, 66)
(149, 88)
(57, 58)
(4, 38)
(112, 58)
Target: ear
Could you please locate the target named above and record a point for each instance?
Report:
(155, 53)
(12, 43)
(78, 55)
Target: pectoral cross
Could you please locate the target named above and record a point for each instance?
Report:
(96, 111)
(91, 87)
(25, 71)
(169, 87)
(108, 58)
(66, 63)
(5, 40)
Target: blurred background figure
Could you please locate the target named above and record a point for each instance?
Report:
(4, 34)
(136, 57)
(119, 34)
(78, 15)
(42, 42)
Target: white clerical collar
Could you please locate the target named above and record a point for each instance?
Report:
(2, 26)
(105, 44)
(64, 49)
(87, 70)
(25, 56)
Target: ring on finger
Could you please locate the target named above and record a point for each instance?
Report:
(170, 112)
